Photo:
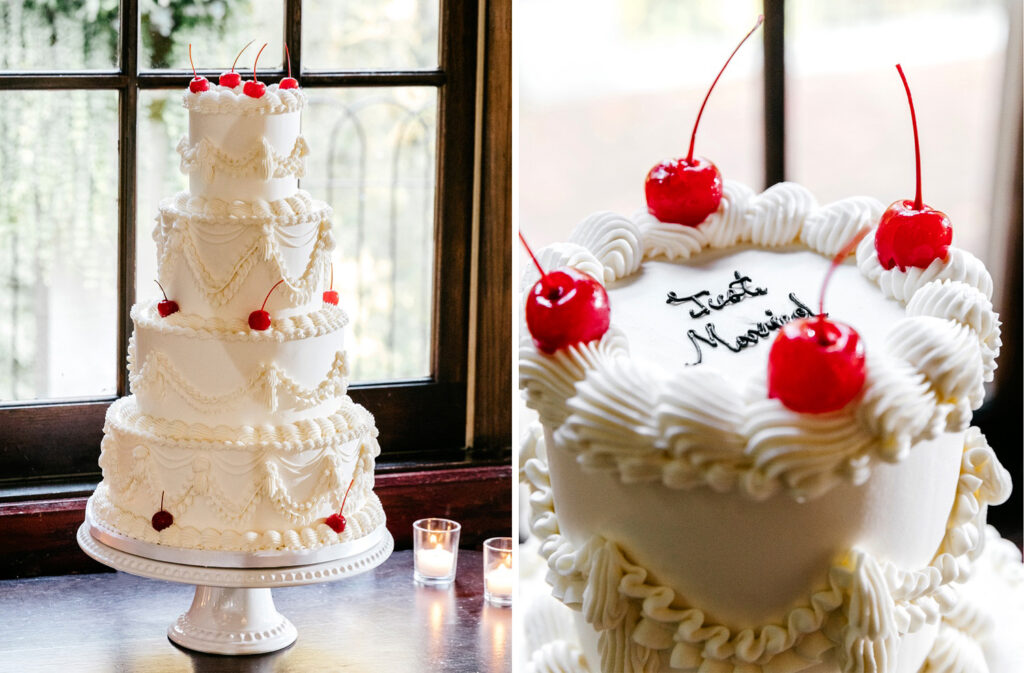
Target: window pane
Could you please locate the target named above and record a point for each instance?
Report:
(217, 31)
(372, 156)
(597, 111)
(58, 244)
(39, 35)
(848, 122)
(390, 34)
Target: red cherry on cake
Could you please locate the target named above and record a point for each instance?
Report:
(255, 88)
(198, 83)
(162, 519)
(260, 320)
(910, 233)
(686, 191)
(231, 79)
(337, 522)
(565, 307)
(683, 191)
(331, 295)
(818, 365)
(289, 82)
(165, 307)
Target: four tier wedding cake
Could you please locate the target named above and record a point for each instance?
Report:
(239, 435)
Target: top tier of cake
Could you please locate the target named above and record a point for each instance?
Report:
(240, 148)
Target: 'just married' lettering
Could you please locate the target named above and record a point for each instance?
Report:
(737, 291)
(752, 336)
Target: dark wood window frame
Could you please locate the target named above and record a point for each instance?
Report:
(451, 428)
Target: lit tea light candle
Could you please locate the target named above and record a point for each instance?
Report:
(498, 575)
(435, 550)
(435, 561)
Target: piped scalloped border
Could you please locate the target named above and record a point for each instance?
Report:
(222, 100)
(863, 612)
(613, 415)
(325, 320)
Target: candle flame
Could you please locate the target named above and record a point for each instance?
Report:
(506, 560)
(433, 539)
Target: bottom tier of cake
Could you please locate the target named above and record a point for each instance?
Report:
(238, 488)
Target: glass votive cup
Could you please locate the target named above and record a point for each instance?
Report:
(498, 573)
(435, 544)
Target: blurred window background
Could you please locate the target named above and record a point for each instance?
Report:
(373, 158)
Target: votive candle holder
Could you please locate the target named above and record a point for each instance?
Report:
(435, 544)
(498, 572)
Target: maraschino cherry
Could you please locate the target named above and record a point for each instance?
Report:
(565, 307)
(337, 521)
(817, 365)
(911, 233)
(165, 307)
(231, 79)
(255, 88)
(686, 191)
(162, 519)
(260, 320)
(331, 295)
(288, 82)
(198, 83)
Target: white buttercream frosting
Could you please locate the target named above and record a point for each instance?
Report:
(232, 101)
(860, 617)
(925, 372)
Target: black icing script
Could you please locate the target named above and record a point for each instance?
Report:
(737, 292)
(762, 330)
(739, 289)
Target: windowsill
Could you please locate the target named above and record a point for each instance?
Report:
(379, 620)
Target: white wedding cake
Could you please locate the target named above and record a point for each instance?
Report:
(693, 522)
(238, 435)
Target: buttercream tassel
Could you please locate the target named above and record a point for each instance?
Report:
(271, 383)
(268, 248)
(870, 640)
(266, 160)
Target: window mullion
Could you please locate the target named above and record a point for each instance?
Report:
(293, 34)
(128, 100)
(774, 92)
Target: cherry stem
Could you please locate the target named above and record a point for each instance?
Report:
(532, 256)
(194, 74)
(332, 277)
(343, 500)
(288, 56)
(161, 501)
(256, 60)
(918, 204)
(161, 289)
(240, 55)
(693, 136)
(268, 294)
(850, 246)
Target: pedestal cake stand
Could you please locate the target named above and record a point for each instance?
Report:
(232, 611)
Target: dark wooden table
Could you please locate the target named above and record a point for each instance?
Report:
(377, 621)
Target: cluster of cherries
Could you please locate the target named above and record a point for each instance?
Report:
(815, 365)
(230, 79)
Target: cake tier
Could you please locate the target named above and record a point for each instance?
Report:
(682, 580)
(221, 258)
(698, 523)
(207, 370)
(238, 488)
(242, 148)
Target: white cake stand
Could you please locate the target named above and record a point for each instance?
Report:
(232, 611)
